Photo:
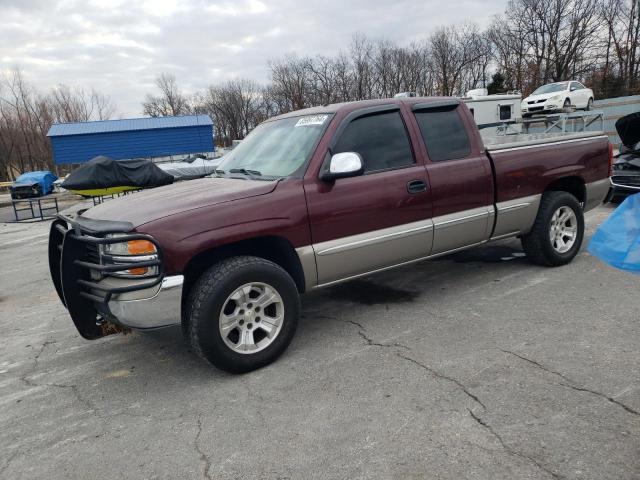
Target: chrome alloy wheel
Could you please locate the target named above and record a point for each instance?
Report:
(251, 317)
(564, 229)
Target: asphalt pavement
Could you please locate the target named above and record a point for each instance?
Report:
(474, 366)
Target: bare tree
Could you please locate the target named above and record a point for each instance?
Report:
(455, 52)
(539, 41)
(236, 106)
(26, 116)
(622, 22)
(169, 102)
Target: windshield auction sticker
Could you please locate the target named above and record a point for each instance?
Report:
(311, 120)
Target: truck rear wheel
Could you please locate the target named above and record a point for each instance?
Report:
(557, 232)
(242, 314)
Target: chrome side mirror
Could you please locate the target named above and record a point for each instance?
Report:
(342, 165)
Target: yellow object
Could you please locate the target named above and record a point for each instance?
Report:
(140, 247)
(101, 192)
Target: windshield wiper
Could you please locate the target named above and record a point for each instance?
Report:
(246, 171)
(217, 172)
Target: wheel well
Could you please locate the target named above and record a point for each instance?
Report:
(572, 185)
(276, 249)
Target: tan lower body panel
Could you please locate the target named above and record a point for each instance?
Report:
(516, 216)
(349, 257)
(356, 254)
(595, 193)
(458, 229)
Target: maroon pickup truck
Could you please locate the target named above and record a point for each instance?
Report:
(312, 198)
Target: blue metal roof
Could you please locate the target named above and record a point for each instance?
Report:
(109, 126)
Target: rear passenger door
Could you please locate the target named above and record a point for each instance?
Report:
(459, 174)
(380, 218)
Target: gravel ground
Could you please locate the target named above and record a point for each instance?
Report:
(474, 366)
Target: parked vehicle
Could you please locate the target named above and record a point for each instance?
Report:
(558, 97)
(195, 166)
(106, 176)
(312, 198)
(32, 184)
(625, 178)
(495, 114)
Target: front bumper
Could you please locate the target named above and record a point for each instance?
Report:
(626, 181)
(99, 300)
(160, 310)
(547, 107)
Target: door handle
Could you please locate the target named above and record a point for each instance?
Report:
(416, 186)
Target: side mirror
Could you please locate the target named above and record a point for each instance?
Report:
(342, 165)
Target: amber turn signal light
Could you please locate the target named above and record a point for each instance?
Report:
(140, 247)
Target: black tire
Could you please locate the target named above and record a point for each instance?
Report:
(537, 243)
(566, 107)
(589, 104)
(208, 296)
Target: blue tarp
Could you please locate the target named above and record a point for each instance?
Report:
(45, 178)
(617, 240)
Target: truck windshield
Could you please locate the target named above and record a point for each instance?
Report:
(277, 148)
(552, 87)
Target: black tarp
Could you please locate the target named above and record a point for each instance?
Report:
(628, 128)
(104, 172)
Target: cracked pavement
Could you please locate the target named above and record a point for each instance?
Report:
(473, 366)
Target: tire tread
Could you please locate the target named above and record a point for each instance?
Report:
(534, 241)
(206, 285)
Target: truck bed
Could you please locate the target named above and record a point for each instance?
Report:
(504, 142)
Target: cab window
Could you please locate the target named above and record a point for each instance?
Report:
(380, 139)
(444, 134)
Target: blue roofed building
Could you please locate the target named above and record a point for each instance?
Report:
(131, 138)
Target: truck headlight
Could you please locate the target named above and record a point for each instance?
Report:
(132, 247)
(130, 252)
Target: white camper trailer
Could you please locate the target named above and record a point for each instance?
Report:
(495, 114)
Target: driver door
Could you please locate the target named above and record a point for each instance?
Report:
(380, 218)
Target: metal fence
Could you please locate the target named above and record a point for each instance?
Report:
(613, 109)
(602, 118)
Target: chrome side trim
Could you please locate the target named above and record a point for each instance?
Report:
(161, 310)
(513, 207)
(624, 186)
(595, 192)
(516, 216)
(373, 240)
(307, 258)
(456, 220)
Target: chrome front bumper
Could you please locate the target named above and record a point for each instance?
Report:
(162, 309)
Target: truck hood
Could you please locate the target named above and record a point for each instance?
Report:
(148, 205)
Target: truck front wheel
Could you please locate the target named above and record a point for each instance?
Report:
(242, 313)
(557, 232)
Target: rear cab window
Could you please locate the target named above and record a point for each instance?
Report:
(444, 133)
(381, 139)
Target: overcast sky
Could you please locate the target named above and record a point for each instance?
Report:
(120, 46)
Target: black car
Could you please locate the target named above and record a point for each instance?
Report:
(626, 168)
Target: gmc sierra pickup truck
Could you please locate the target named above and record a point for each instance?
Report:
(312, 198)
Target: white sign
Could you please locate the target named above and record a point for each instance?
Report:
(311, 120)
